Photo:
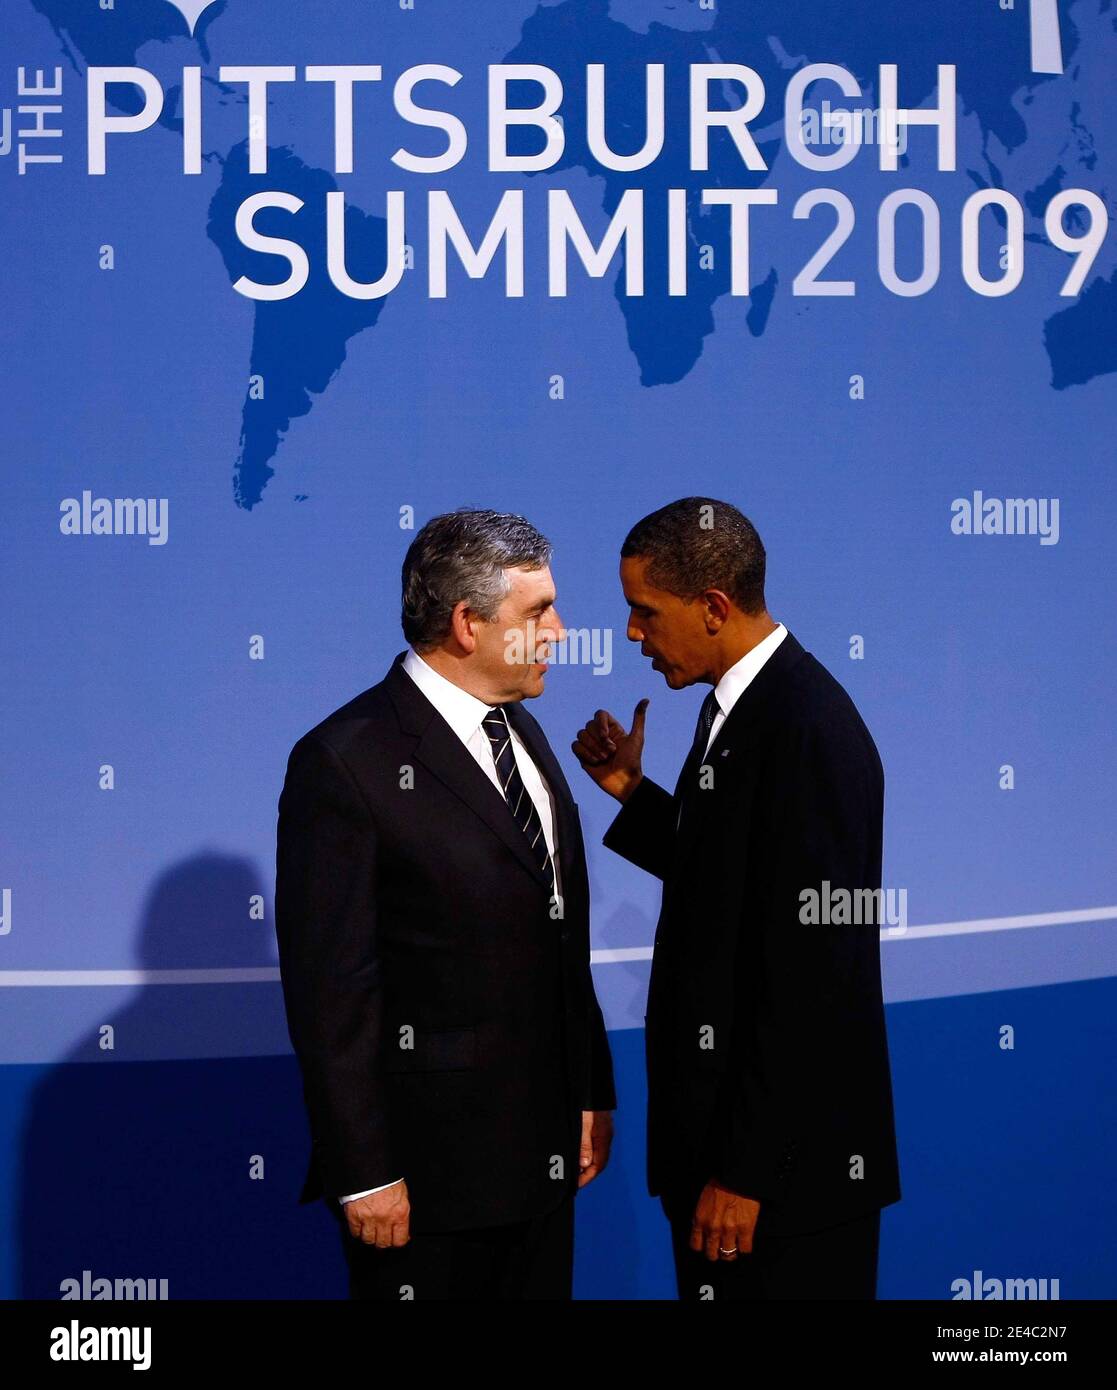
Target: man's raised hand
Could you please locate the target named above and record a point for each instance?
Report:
(610, 754)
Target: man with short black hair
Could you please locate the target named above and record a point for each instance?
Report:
(432, 913)
(771, 1139)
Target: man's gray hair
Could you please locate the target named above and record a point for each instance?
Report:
(460, 556)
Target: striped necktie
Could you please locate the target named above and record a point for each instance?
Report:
(495, 725)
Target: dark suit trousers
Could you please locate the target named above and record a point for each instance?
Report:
(529, 1259)
(836, 1263)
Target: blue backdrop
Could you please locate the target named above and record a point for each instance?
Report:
(150, 1115)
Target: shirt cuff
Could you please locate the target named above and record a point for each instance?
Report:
(368, 1191)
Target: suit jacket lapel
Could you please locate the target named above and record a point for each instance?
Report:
(444, 755)
(736, 729)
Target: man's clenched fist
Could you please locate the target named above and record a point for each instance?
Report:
(382, 1218)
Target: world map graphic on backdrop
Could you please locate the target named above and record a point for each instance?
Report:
(300, 344)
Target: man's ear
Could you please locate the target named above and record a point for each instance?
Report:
(462, 622)
(718, 606)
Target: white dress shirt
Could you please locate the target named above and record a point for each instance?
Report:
(739, 677)
(464, 713)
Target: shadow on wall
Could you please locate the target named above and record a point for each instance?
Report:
(135, 1169)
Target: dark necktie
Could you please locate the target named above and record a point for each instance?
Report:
(495, 725)
(694, 759)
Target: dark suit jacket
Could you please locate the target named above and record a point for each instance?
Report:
(796, 1083)
(409, 910)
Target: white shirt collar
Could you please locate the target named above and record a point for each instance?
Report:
(742, 673)
(461, 710)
